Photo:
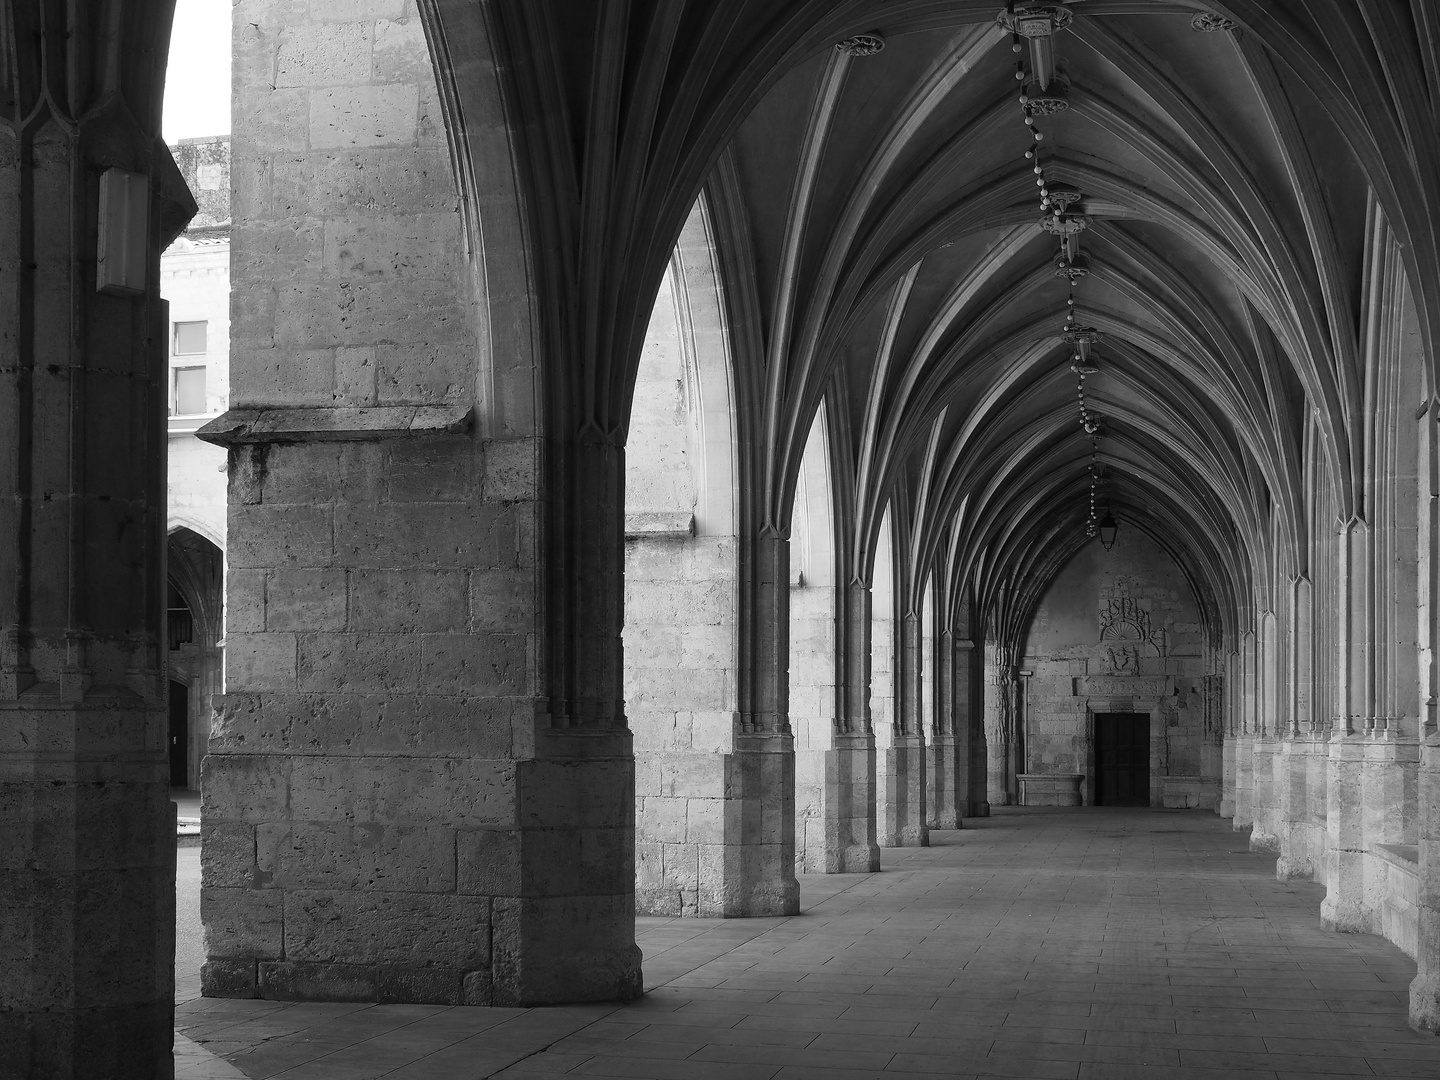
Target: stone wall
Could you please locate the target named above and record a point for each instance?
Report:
(681, 630)
(1120, 631)
(390, 813)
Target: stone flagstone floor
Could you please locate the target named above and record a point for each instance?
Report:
(1088, 944)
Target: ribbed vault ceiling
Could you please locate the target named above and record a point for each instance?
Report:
(879, 231)
(893, 226)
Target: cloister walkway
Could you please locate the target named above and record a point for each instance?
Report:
(1087, 944)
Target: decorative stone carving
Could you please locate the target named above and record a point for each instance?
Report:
(1035, 20)
(1064, 197)
(1082, 335)
(1126, 687)
(1048, 100)
(1123, 619)
(862, 44)
(1207, 22)
(1068, 225)
(1122, 660)
(1074, 269)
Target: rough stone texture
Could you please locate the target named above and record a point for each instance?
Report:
(899, 751)
(1425, 990)
(827, 787)
(404, 819)
(87, 855)
(680, 644)
(712, 820)
(1119, 631)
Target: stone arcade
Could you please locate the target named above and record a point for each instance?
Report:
(654, 467)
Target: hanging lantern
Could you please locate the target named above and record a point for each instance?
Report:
(1108, 529)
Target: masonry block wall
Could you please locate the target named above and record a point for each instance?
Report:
(818, 798)
(386, 815)
(1120, 631)
(681, 638)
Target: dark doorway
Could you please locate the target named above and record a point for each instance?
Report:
(1122, 759)
(179, 735)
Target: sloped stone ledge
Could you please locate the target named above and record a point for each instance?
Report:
(239, 427)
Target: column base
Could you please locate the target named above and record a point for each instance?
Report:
(900, 812)
(1425, 1003)
(88, 887)
(941, 766)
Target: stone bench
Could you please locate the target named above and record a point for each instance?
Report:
(1050, 789)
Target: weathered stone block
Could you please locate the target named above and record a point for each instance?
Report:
(242, 924)
(705, 821)
(436, 932)
(502, 600)
(289, 981)
(244, 787)
(435, 535)
(512, 469)
(423, 601)
(488, 862)
(661, 820)
(422, 986)
(265, 536)
(493, 665)
(337, 855)
(260, 661)
(229, 979)
(227, 854)
(436, 469)
(305, 600)
(245, 602)
(367, 116)
(589, 954)
(311, 55)
(357, 662)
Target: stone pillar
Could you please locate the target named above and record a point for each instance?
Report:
(759, 857)
(1425, 989)
(420, 785)
(885, 709)
(1265, 750)
(681, 643)
(1231, 723)
(840, 757)
(908, 774)
(850, 766)
(943, 807)
(1265, 808)
(1293, 773)
(971, 790)
(87, 830)
(1245, 736)
(393, 811)
(999, 726)
(814, 699)
(1345, 905)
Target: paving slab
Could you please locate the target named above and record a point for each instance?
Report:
(1088, 944)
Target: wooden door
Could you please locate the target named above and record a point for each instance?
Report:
(1122, 759)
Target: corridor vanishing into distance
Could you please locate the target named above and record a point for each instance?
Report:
(1091, 944)
(745, 465)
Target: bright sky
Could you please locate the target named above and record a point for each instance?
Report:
(197, 86)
